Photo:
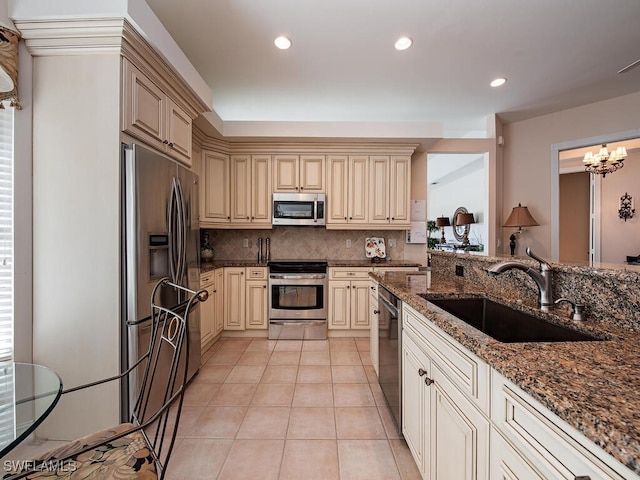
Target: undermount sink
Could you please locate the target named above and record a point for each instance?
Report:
(506, 324)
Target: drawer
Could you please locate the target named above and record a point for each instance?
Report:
(256, 273)
(345, 273)
(545, 440)
(207, 278)
(463, 368)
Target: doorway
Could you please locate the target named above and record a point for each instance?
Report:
(575, 217)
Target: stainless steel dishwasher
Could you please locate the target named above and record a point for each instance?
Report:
(390, 351)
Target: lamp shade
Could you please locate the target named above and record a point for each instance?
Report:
(520, 217)
(465, 219)
(443, 222)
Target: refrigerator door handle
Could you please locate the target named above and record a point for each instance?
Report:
(182, 231)
(173, 227)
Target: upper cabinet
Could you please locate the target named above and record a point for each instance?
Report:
(390, 188)
(299, 173)
(364, 191)
(154, 117)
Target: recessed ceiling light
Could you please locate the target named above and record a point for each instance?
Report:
(403, 43)
(498, 82)
(282, 42)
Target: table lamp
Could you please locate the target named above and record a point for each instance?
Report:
(465, 219)
(520, 217)
(443, 222)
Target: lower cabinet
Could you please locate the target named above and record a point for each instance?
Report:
(349, 298)
(447, 435)
(211, 311)
(463, 420)
(245, 298)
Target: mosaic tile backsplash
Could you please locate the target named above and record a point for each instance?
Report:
(302, 243)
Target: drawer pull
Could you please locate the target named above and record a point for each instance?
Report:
(583, 477)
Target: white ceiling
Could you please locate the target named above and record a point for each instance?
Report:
(342, 66)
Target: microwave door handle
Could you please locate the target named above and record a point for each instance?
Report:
(315, 210)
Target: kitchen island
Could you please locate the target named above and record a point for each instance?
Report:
(592, 386)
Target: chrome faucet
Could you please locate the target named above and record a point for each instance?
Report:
(542, 277)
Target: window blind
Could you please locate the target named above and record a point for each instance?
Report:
(7, 389)
(6, 234)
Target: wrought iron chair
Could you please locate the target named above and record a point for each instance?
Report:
(140, 449)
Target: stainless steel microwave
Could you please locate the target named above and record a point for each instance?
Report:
(299, 209)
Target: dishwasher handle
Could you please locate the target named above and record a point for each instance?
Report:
(388, 305)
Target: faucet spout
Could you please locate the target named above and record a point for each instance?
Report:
(542, 277)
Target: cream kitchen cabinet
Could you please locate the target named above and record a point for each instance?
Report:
(214, 189)
(447, 433)
(211, 319)
(256, 299)
(347, 189)
(299, 173)
(234, 298)
(349, 298)
(152, 116)
(389, 194)
(374, 344)
(245, 298)
(251, 190)
(535, 443)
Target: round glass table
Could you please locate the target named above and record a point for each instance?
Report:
(28, 393)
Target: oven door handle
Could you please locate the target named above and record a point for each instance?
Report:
(319, 276)
(298, 323)
(389, 306)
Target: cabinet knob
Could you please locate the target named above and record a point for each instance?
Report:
(387, 218)
(301, 188)
(375, 312)
(165, 141)
(247, 218)
(428, 381)
(171, 144)
(264, 286)
(421, 372)
(345, 218)
(393, 218)
(350, 218)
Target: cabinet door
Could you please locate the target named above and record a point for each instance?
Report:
(256, 309)
(214, 188)
(312, 169)
(373, 332)
(144, 107)
(261, 189)
(358, 189)
(359, 292)
(219, 301)
(339, 304)
(459, 434)
(178, 133)
(234, 295)
(416, 402)
(399, 193)
(337, 188)
(207, 312)
(240, 166)
(379, 189)
(285, 173)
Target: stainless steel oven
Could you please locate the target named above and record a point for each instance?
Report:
(298, 300)
(390, 351)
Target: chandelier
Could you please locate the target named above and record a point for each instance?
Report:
(604, 162)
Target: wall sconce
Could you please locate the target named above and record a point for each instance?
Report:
(443, 222)
(520, 217)
(466, 219)
(9, 66)
(626, 209)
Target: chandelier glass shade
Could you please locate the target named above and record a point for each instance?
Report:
(604, 161)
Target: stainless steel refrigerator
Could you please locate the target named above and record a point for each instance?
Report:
(161, 238)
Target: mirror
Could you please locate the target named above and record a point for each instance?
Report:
(459, 230)
(460, 179)
(590, 231)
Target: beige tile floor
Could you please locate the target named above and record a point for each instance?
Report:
(286, 410)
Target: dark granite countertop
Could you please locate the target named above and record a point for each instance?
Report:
(593, 386)
(208, 266)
